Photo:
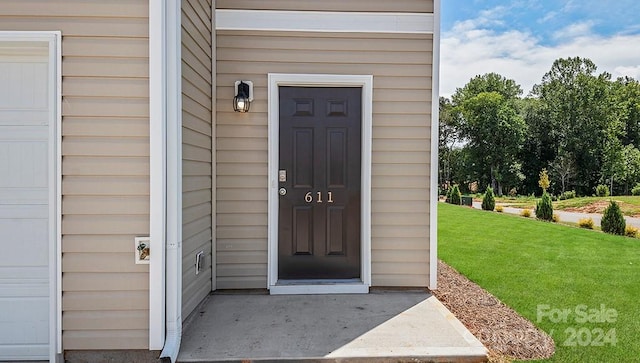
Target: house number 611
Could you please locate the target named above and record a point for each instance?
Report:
(309, 197)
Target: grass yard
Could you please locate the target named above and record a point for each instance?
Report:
(581, 287)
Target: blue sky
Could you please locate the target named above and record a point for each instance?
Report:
(520, 39)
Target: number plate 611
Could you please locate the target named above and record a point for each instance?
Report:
(309, 197)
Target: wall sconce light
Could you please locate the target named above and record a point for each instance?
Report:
(243, 97)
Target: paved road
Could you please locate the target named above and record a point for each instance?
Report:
(569, 216)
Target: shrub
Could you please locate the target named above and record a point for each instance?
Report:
(544, 208)
(613, 220)
(631, 231)
(586, 223)
(499, 209)
(525, 213)
(602, 190)
(488, 201)
(455, 198)
(570, 194)
(555, 218)
(636, 190)
(513, 192)
(448, 196)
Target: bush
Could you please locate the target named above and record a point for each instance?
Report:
(448, 195)
(455, 197)
(525, 213)
(636, 190)
(631, 231)
(586, 223)
(499, 209)
(613, 220)
(555, 218)
(488, 201)
(570, 194)
(513, 192)
(602, 190)
(544, 208)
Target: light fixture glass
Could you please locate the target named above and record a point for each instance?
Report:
(243, 97)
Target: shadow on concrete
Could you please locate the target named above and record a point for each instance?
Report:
(326, 327)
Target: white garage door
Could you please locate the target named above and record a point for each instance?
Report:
(24, 201)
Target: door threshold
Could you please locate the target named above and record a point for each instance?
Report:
(323, 286)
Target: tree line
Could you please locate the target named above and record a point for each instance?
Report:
(581, 126)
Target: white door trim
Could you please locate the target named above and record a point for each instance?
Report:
(53, 38)
(319, 80)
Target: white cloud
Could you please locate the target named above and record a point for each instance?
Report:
(627, 71)
(548, 16)
(467, 51)
(573, 31)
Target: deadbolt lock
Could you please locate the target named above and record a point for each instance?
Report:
(282, 191)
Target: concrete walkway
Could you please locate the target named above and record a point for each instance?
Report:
(573, 217)
(376, 327)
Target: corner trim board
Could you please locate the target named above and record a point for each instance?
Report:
(157, 174)
(325, 21)
(435, 117)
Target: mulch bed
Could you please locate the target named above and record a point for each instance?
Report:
(501, 329)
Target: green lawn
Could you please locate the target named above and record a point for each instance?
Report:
(541, 269)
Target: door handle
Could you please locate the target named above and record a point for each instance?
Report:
(282, 191)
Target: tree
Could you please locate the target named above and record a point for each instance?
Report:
(612, 220)
(579, 107)
(543, 182)
(455, 197)
(578, 124)
(544, 208)
(630, 167)
(627, 100)
(488, 200)
(490, 82)
(563, 167)
(539, 148)
(491, 128)
(494, 132)
(448, 136)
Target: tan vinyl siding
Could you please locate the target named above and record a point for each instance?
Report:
(395, 6)
(196, 151)
(105, 166)
(401, 66)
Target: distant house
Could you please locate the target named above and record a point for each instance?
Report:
(117, 123)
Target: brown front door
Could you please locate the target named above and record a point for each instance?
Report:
(319, 182)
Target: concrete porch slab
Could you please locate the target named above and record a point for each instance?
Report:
(380, 326)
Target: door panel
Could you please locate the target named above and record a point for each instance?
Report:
(320, 156)
(24, 205)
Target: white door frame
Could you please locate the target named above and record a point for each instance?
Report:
(319, 80)
(53, 38)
